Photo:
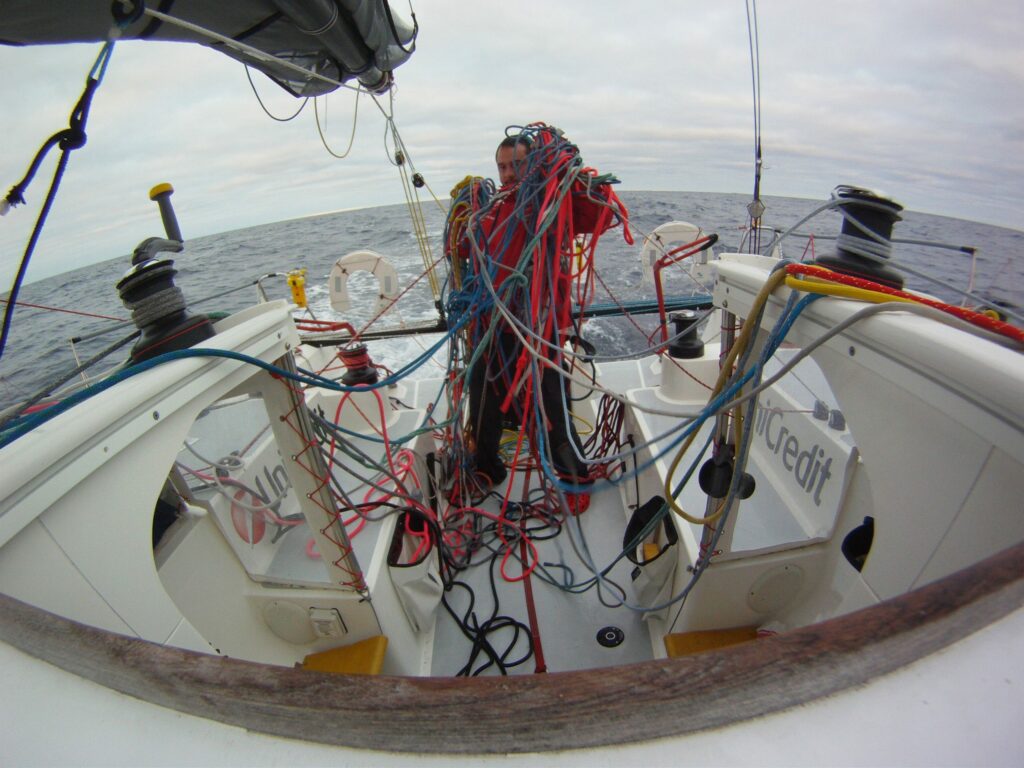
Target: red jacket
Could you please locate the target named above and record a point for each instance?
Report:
(554, 261)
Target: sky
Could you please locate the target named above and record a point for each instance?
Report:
(922, 100)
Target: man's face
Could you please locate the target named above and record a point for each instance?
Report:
(511, 162)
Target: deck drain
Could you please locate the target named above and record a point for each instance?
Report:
(610, 637)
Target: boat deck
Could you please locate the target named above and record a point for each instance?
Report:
(571, 610)
(485, 624)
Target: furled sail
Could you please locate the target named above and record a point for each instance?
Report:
(334, 41)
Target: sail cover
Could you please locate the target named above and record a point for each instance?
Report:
(340, 40)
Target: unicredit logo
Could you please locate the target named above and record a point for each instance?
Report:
(809, 466)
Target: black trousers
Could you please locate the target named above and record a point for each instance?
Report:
(489, 382)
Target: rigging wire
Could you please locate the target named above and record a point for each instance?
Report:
(756, 208)
(55, 384)
(71, 138)
(399, 156)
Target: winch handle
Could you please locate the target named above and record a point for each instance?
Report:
(161, 193)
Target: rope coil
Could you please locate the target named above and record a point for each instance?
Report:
(156, 306)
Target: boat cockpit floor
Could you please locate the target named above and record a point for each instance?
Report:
(580, 624)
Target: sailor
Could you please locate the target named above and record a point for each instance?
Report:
(529, 261)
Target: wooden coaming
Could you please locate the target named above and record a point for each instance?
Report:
(549, 711)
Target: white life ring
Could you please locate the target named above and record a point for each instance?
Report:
(368, 261)
(662, 240)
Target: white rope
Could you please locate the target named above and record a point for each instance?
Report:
(320, 130)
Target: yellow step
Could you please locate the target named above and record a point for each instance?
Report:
(363, 658)
(685, 643)
(651, 551)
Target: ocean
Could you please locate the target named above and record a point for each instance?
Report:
(39, 350)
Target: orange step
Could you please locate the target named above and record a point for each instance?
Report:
(686, 643)
(363, 658)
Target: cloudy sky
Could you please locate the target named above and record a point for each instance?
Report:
(923, 100)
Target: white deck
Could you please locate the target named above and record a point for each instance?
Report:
(568, 623)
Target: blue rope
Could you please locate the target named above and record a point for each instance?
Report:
(19, 427)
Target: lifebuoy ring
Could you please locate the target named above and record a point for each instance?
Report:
(367, 261)
(663, 239)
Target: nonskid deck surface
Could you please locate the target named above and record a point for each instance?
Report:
(569, 615)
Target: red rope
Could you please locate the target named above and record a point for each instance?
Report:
(312, 325)
(68, 311)
(355, 358)
(671, 258)
(531, 608)
(975, 318)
